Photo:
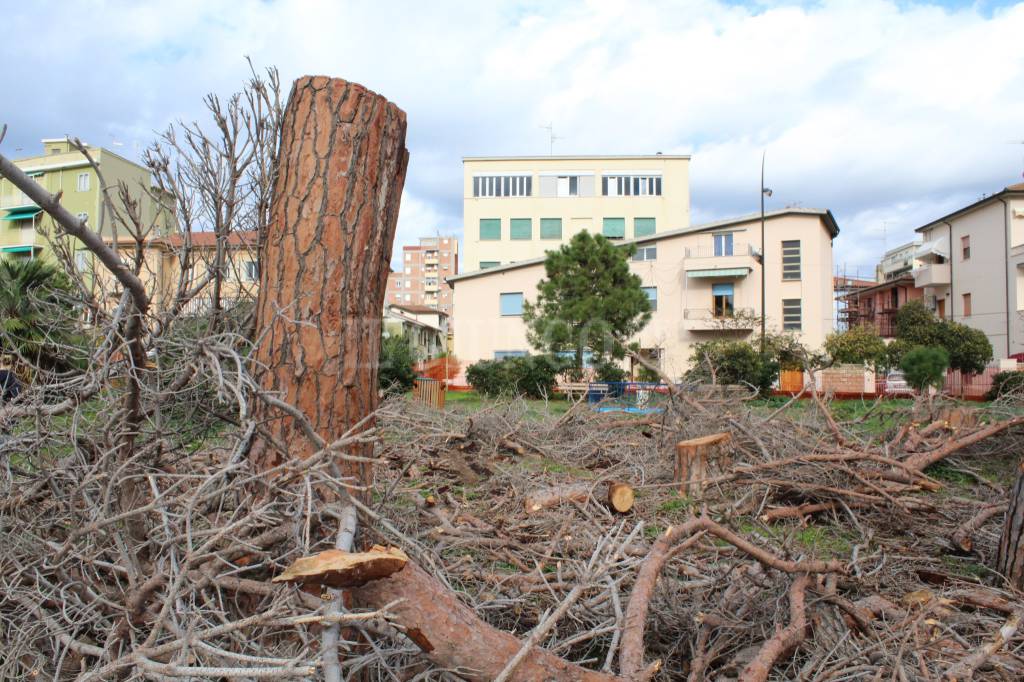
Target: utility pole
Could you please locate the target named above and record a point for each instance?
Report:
(764, 192)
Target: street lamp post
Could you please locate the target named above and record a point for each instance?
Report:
(765, 192)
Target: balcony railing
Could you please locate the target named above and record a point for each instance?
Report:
(704, 319)
(19, 200)
(932, 275)
(712, 252)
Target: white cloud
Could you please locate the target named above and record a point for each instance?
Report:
(885, 112)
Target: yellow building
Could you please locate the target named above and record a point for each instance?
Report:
(61, 168)
(517, 207)
(704, 282)
(162, 271)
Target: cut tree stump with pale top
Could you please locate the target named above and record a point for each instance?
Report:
(692, 460)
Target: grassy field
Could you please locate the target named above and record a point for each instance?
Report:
(471, 401)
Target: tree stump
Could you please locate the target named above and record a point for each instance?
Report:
(692, 461)
(325, 264)
(1010, 559)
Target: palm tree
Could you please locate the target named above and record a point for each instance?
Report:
(35, 311)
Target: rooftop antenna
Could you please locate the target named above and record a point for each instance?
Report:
(550, 127)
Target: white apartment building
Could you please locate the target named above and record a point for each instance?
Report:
(518, 207)
(703, 282)
(972, 268)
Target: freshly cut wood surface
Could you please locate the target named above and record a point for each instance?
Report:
(337, 568)
(621, 497)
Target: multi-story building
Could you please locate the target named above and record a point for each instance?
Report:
(876, 305)
(897, 262)
(426, 328)
(972, 267)
(62, 168)
(704, 282)
(422, 277)
(517, 207)
(161, 270)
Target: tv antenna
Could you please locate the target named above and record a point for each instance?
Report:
(550, 127)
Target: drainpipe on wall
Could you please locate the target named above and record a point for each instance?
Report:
(1006, 267)
(952, 296)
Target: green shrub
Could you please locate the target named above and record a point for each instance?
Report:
(732, 362)
(395, 373)
(916, 324)
(969, 349)
(1006, 383)
(925, 366)
(609, 371)
(856, 345)
(531, 376)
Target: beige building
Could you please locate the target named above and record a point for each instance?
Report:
(161, 270)
(24, 228)
(425, 327)
(517, 207)
(972, 268)
(421, 280)
(703, 282)
(897, 262)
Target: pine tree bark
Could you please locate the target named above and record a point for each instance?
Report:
(1010, 559)
(342, 163)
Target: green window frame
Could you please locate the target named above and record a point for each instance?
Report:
(521, 228)
(792, 315)
(791, 259)
(550, 228)
(643, 227)
(490, 229)
(510, 304)
(486, 264)
(614, 228)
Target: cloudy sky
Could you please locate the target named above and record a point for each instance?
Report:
(888, 113)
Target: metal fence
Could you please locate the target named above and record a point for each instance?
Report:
(638, 397)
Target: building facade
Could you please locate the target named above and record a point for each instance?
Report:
(875, 306)
(898, 262)
(517, 208)
(426, 328)
(422, 277)
(704, 282)
(972, 268)
(62, 168)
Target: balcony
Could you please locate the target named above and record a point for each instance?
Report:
(705, 258)
(932, 275)
(704, 320)
(17, 200)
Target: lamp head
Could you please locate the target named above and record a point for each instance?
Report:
(766, 191)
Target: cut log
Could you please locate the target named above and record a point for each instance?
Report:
(452, 636)
(324, 267)
(621, 497)
(337, 568)
(556, 495)
(692, 461)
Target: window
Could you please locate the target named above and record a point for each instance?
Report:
(408, 297)
(521, 228)
(643, 227)
(630, 185)
(511, 304)
(502, 185)
(722, 300)
(614, 228)
(550, 228)
(965, 247)
(652, 296)
(502, 354)
(485, 264)
(84, 217)
(490, 229)
(967, 305)
(408, 257)
(398, 284)
(408, 271)
(791, 315)
(252, 270)
(723, 244)
(83, 182)
(791, 259)
(646, 253)
(568, 185)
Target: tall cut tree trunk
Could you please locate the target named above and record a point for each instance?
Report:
(333, 215)
(1010, 560)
